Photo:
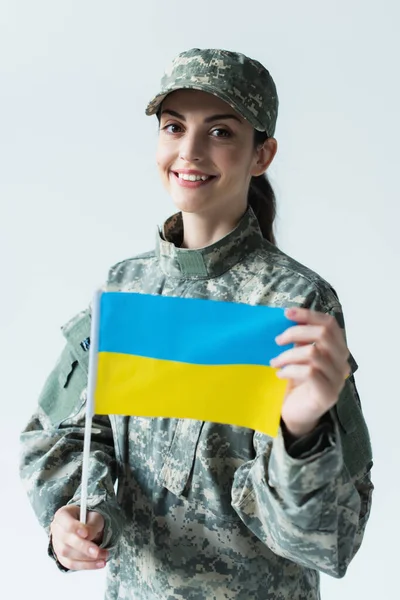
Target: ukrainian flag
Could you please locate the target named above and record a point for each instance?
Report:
(172, 357)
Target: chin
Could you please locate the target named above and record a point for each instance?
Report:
(191, 205)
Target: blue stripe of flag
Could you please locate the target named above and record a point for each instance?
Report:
(195, 331)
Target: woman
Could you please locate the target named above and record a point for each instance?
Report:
(205, 510)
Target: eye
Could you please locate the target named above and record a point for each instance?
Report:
(220, 132)
(172, 128)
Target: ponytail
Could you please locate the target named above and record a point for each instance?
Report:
(262, 199)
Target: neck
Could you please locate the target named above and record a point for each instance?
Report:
(202, 230)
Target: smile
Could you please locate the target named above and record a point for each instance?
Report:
(193, 177)
(192, 180)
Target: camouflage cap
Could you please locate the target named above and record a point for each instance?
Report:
(240, 81)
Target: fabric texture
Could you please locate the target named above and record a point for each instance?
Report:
(242, 82)
(204, 510)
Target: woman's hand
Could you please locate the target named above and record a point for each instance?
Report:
(75, 544)
(316, 368)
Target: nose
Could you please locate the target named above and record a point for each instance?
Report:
(191, 149)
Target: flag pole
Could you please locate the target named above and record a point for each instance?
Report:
(92, 376)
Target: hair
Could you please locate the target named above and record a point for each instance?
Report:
(262, 198)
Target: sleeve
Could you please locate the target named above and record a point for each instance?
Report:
(309, 501)
(52, 447)
(307, 509)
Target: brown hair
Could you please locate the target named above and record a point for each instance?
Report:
(261, 197)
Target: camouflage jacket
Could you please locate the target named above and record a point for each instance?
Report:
(197, 510)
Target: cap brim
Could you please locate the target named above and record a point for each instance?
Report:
(155, 103)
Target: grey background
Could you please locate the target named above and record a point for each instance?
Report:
(79, 191)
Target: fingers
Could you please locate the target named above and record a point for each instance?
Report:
(80, 565)
(74, 546)
(72, 541)
(307, 316)
(67, 517)
(323, 331)
(324, 335)
(300, 334)
(299, 374)
(95, 524)
(316, 367)
(311, 357)
(74, 560)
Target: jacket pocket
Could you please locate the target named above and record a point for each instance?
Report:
(201, 464)
(64, 393)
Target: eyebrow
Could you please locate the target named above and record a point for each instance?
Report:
(220, 117)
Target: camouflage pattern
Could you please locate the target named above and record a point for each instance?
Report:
(240, 81)
(202, 510)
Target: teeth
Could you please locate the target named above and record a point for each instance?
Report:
(193, 177)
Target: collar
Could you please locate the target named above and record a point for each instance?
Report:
(212, 260)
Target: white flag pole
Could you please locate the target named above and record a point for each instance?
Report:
(92, 376)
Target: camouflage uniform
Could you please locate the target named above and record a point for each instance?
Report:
(205, 511)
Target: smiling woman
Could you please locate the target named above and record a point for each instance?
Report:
(208, 147)
(206, 510)
(203, 140)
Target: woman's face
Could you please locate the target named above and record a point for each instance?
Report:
(201, 137)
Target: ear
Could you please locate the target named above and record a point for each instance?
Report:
(265, 154)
